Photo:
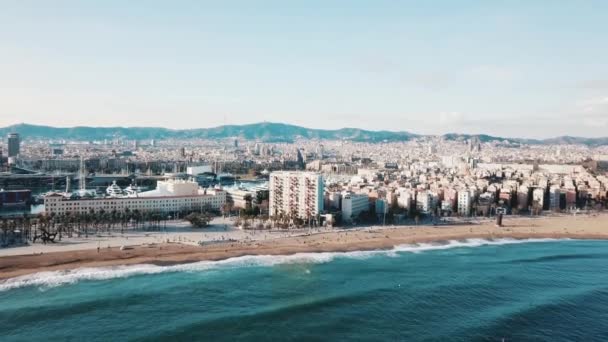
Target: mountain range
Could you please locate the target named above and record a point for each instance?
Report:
(264, 131)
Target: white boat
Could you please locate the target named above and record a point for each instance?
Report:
(114, 190)
(133, 190)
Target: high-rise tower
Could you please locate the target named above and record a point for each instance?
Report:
(14, 143)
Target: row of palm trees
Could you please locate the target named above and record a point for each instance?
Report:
(283, 221)
(52, 227)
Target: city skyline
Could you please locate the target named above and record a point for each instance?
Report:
(504, 70)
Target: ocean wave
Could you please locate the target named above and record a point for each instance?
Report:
(421, 247)
(64, 277)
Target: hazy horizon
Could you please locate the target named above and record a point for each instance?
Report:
(518, 69)
(306, 127)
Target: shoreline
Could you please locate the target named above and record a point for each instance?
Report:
(367, 239)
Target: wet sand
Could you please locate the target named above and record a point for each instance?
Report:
(372, 238)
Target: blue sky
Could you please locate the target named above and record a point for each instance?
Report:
(512, 68)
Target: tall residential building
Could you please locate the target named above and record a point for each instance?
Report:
(464, 203)
(298, 194)
(522, 197)
(538, 198)
(424, 202)
(300, 159)
(13, 144)
(319, 151)
(405, 199)
(554, 197)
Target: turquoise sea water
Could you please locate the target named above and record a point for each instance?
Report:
(462, 291)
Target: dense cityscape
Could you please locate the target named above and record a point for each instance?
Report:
(320, 170)
(303, 183)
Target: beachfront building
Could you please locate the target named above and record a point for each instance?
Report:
(538, 198)
(169, 196)
(554, 197)
(523, 193)
(405, 199)
(294, 193)
(246, 194)
(424, 202)
(464, 203)
(239, 197)
(353, 205)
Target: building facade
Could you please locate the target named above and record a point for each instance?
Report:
(238, 198)
(424, 202)
(298, 194)
(353, 205)
(14, 145)
(169, 196)
(464, 203)
(554, 197)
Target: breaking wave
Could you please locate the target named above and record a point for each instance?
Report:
(57, 278)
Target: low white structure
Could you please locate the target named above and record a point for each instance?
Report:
(353, 205)
(238, 197)
(169, 196)
(196, 170)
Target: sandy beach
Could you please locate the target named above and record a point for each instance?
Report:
(221, 242)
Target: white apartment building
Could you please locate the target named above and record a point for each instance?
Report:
(538, 196)
(296, 193)
(424, 202)
(464, 203)
(169, 196)
(405, 199)
(353, 205)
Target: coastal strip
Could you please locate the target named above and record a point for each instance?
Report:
(163, 254)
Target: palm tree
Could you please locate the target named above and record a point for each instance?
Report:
(4, 226)
(113, 218)
(248, 199)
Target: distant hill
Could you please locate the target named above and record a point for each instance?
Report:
(264, 131)
(563, 140)
(577, 140)
(487, 138)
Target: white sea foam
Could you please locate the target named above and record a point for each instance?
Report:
(56, 278)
